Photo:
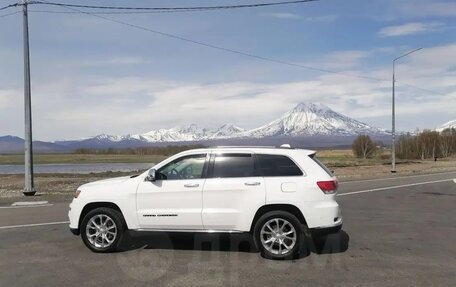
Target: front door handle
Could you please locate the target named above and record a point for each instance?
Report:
(191, 185)
(252, 183)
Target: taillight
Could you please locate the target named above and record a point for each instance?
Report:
(328, 187)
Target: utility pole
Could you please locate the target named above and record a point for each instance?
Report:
(393, 108)
(29, 189)
(393, 128)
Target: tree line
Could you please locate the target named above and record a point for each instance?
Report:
(424, 145)
(165, 150)
(427, 144)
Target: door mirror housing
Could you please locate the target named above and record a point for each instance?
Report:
(151, 175)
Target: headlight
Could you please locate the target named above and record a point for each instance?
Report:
(76, 194)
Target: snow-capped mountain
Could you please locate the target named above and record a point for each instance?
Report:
(109, 138)
(185, 133)
(227, 130)
(448, 125)
(306, 119)
(190, 132)
(309, 119)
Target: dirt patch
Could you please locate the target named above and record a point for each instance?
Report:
(58, 186)
(404, 168)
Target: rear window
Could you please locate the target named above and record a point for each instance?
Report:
(233, 165)
(276, 165)
(315, 159)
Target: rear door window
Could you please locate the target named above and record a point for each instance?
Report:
(276, 165)
(233, 165)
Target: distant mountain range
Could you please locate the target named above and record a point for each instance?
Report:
(13, 144)
(306, 120)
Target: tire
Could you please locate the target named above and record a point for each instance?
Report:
(284, 242)
(106, 239)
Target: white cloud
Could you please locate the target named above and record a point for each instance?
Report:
(293, 16)
(84, 105)
(343, 59)
(6, 98)
(410, 29)
(435, 63)
(426, 8)
(282, 15)
(74, 112)
(120, 60)
(322, 18)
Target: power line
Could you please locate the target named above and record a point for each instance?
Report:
(174, 8)
(122, 12)
(223, 48)
(422, 89)
(9, 6)
(9, 14)
(198, 8)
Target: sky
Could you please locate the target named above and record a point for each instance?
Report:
(93, 76)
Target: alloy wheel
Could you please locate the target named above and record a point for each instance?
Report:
(101, 231)
(278, 236)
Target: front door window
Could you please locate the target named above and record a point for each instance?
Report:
(189, 167)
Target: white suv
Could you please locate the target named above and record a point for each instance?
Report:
(276, 194)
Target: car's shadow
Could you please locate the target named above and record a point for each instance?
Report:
(331, 244)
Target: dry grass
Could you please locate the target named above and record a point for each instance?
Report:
(11, 185)
(81, 158)
(402, 168)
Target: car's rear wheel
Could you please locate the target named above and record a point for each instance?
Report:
(279, 235)
(102, 229)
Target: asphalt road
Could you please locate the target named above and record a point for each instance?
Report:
(397, 232)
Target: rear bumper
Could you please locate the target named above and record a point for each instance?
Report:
(326, 230)
(322, 214)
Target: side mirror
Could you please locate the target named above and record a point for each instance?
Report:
(151, 175)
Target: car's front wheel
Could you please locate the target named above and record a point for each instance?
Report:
(102, 229)
(279, 235)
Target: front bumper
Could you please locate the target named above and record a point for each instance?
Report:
(73, 215)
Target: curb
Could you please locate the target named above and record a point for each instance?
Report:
(29, 203)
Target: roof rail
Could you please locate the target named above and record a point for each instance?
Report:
(284, 146)
(243, 146)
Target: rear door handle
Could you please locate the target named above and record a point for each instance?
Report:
(191, 185)
(252, 183)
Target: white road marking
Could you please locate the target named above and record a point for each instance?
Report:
(34, 224)
(30, 203)
(394, 187)
(400, 177)
(29, 206)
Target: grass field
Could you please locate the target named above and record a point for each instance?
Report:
(81, 158)
(333, 158)
(345, 158)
